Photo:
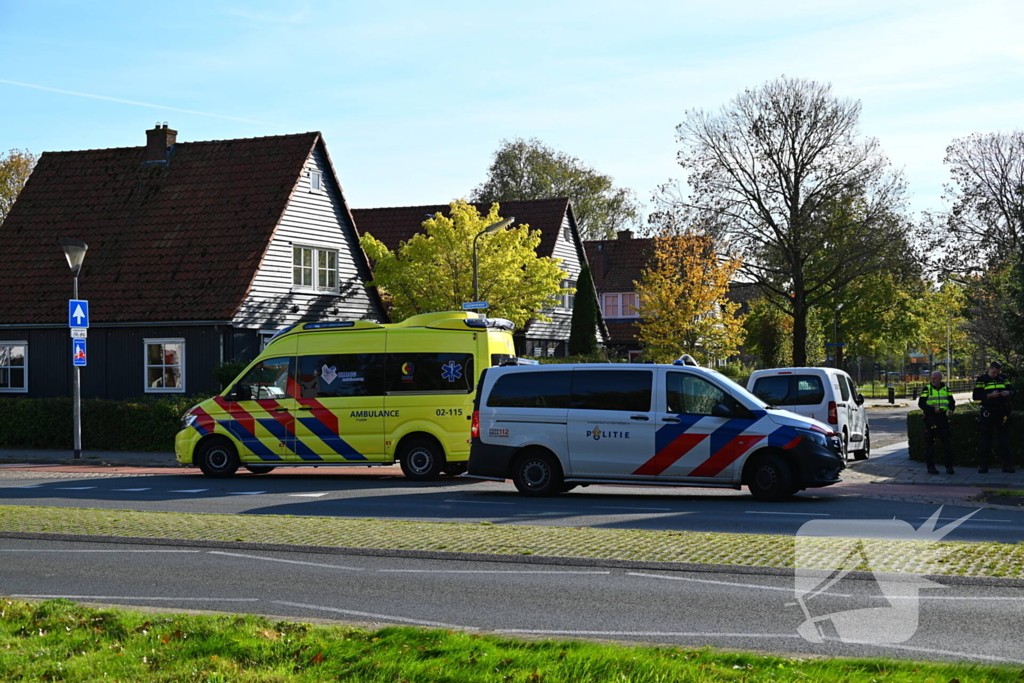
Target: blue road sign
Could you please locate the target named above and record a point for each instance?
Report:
(473, 305)
(78, 313)
(78, 353)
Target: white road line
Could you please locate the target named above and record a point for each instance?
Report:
(188, 490)
(51, 550)
(724, 583)
(621, 507)
(133, 597)
(244, 493)
(277, 559)
(145, 489)
(801, 514)
(478, 502)
(484, 571)
(973, 519)
(306, 495)
(381, 617)
(74, 488)
(34, 486)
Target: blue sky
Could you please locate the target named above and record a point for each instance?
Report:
(413, 98)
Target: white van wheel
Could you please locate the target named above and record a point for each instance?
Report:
(537, 473)
(421, 459)
(771, 479)
(217, 458)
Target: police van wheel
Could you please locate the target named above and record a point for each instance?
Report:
(259, 469)
(217, 458)
(863, 453)
(771, 479)
(536, 473)
(422, 459)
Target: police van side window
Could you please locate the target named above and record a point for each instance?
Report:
(429, 373)
(341, 374)
(268, 379)
(691, 395)
(611, 390)
(531, 390)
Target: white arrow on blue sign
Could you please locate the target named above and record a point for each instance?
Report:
(78, 353)
(471, 305)
(78, 313)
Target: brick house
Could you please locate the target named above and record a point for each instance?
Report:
(560, 238)
(198, 252)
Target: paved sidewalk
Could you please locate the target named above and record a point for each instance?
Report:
(892, 465)
(27, 456)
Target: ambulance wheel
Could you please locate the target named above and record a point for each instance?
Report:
(538, 473)
(863, 453)
(422, 459)
(217, 458)
(771, 478)
(454, 469)
(260, 469)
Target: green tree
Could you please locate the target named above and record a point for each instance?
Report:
(769, 333)
(585, 316)
(529, 169)
(15, 168)
(433, 271)
(781, 175)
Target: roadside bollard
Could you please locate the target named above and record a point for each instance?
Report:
(892, 395)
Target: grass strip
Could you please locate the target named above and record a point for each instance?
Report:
(919, 557)
(58, 640)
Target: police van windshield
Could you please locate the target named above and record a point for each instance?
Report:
(739, 391)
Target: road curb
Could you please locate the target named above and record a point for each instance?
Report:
(692, 567)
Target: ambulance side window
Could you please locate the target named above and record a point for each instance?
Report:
(429, 373)
(691, 395)
(341, 374)
(268, 379)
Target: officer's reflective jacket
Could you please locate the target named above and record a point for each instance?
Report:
(936, 401)
(985, 385)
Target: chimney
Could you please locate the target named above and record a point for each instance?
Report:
(624, 235)
(157, 142)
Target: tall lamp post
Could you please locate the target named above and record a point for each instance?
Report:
(837, 357)
(75, 250)
(489, 230)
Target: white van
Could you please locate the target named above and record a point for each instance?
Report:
(824, 394)
(552, 427)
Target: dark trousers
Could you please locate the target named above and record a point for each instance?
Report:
(1001, 425)
(937, 430)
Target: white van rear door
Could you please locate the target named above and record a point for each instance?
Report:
(611, 422)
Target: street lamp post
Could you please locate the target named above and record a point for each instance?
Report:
(74, 251)
(489, 230)
(836, 356)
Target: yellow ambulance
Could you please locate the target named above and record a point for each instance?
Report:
(352, 393)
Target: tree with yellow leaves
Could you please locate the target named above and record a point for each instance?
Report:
(682, 301)
(433, 271)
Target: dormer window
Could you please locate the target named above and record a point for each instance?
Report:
(316, 181)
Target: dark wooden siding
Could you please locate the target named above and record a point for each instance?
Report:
(117, 362)
(317, 219)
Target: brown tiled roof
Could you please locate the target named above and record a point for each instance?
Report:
(398, 224)
(177, 241)
(617, 264)
(622, 332)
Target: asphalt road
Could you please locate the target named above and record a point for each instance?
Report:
(339, 494)
(746, 611)
(888, 425)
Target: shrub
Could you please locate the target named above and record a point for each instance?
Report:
(144, 424)
(225, 373)
(965, 438)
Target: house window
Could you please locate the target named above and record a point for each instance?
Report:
(315, 268)
(316, 181)
(14, 366)
(621, 305)
(567, 297)
(165, 365)
(567, 232)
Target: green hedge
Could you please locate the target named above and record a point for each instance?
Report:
(146, 424)
(965, 439)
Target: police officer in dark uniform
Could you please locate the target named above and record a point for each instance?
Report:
(994, 390)
(938, 405)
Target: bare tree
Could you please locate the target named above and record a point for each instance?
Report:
(987, 195)
(810, 207)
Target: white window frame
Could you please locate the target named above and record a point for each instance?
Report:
(316, 181)
(16, 390)
(315, 269)
(567, 300)
(620, 305)
(146, 343)
(265, 336)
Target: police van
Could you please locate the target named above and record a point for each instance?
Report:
(351, 393)
(551, 428)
